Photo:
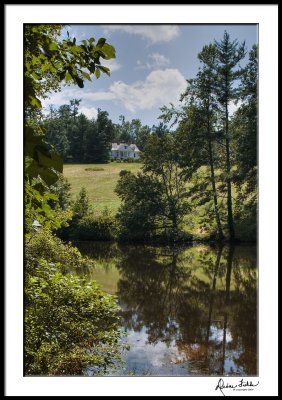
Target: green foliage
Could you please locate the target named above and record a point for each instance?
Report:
(141, 206)
(95, 227)
(69, 324)
(81, 207)
(154, 201)
(48, 59)
(37, 207)
(208, 137)
(47, 64)
(99, 137)
(62, 190)
(161, 160)
(45, 245)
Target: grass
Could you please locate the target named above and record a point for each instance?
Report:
(99, 180)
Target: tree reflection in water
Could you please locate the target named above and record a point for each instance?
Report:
(199, 303)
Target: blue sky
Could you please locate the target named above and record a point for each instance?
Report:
(151, 67)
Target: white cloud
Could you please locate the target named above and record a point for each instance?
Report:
(60, 98)
(156, 61)
(112, 64)
(159, 59)
(159, 88)
(90, 112)
(68, 93)
(93, 96)
(153, 33)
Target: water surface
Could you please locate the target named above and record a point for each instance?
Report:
(188, 311)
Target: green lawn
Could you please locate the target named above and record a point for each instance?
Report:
(100, 185)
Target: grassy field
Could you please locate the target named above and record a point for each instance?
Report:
(99, 180)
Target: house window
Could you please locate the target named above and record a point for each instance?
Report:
(125, 154)
(134, 155)
(121, 154)
(125, 147)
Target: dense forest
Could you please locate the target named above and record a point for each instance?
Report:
(79, 139)
(199, 166)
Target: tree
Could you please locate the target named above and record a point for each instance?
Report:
(143, 135)
(62, 189)
(197, 132)
(74, 104)
(56, 125)
(141, 207)
(81, 207)
(228, 55)
(244, 125)
(154, 201)
(78, 139)
(99, 137)
(161, 159)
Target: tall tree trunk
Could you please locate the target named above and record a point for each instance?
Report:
(217, 217)
(229, 188)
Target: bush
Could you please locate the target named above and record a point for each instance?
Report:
(45, 245)
(62, 188)
(69, 324)
(94, 169)
(82, 206)
(93, 227)
(123, 172)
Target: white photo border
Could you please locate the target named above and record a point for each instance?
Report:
(267, 18)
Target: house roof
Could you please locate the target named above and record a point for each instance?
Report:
(125, 146)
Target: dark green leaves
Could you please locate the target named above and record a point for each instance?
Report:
(106, 70)
(101, 42)
(44, 163)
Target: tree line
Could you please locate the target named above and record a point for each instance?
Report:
(79, 139)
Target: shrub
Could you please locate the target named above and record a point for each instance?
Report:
(93, 227)
(45, 245)
(62, 188)
(94, 169)
(69, 324)
(123, 172)
(82, 206)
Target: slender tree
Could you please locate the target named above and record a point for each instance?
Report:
(228, 55)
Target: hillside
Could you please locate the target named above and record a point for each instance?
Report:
(99, 180)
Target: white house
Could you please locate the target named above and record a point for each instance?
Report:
(123, 151)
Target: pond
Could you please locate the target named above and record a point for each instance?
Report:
(187, 311)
